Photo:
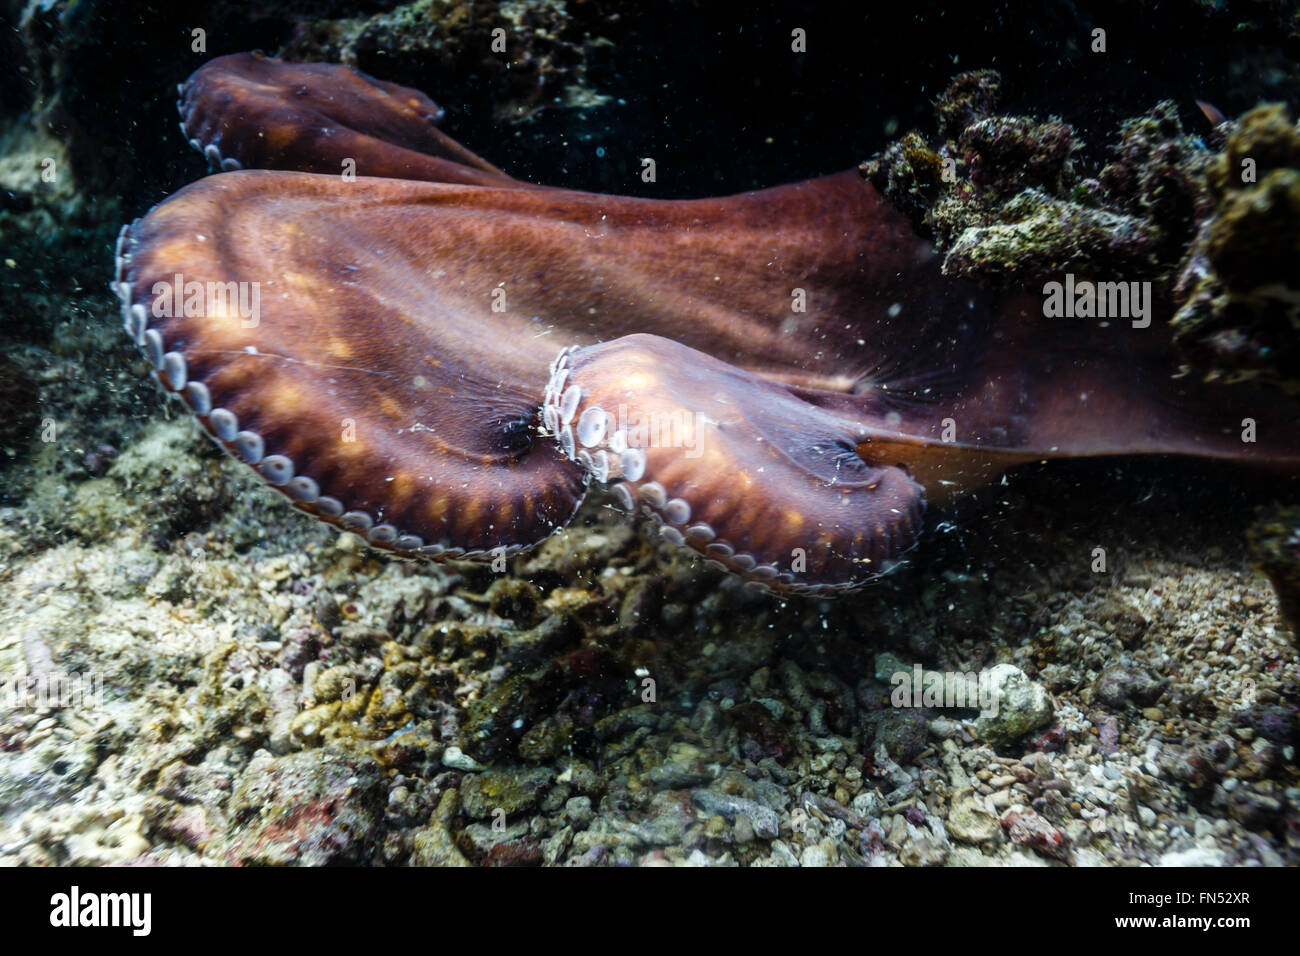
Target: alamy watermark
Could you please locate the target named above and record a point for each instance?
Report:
(969, 690)
(194, 299)
(133, 911)
(52, 690)
(1085, 299)
(676, 428)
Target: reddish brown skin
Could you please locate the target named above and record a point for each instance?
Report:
(311, 117)
(824, 428)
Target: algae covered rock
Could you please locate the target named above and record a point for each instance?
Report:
(1238, 291)
(1018, 705)
(969, 821)
(584, 685)
(1275, 546)
(309, 808)
(1007, 200)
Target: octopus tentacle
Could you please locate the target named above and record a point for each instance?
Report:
(250, 111)
(732, 465)
(303, 392)
(801, 369)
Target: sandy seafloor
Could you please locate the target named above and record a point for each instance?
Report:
(271, 691)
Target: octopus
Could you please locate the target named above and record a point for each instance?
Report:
(410, 344)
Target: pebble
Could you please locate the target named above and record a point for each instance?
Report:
(679, 774)
(970, 822)
(896, 830)
(902, 732)
(433, 845)
(820, 854)
(945, 727)
(457, 759)
(743, 831)
(766, 824)
(554, 849)
(887, 665)
(510, 791)
(1020, 705)
(1126, 683)
(782, 855)
(577, 810)
(1027, 828)
(923, 850)
(867, 804)
(1193, 856)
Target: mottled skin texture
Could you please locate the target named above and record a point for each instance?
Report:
(424, 310)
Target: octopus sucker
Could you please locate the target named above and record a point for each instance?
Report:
(747, 518)
(350, 265)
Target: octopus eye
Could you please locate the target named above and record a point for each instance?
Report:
(516, 435)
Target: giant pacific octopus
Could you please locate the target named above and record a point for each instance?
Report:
(444, 358)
